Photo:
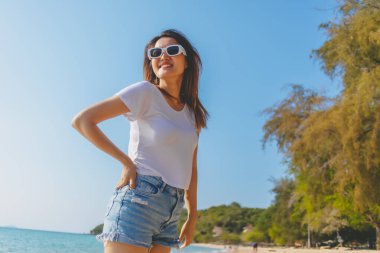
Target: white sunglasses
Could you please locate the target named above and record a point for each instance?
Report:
(171, 50)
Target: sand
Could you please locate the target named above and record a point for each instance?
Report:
(245, 249)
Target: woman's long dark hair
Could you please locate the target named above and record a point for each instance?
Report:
(189, 87)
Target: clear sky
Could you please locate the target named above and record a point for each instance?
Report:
(58, 57)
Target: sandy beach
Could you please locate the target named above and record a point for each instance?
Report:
(246, 249)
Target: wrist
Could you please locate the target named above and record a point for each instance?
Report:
(127, 163)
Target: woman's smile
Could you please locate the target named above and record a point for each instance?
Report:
(165, 64)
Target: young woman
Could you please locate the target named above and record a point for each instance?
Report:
(159, 174)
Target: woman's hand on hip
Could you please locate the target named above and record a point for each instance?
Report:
(128, 175)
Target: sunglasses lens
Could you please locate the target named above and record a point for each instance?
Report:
(155, 52)
(173, 50)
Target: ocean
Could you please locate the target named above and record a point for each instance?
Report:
(16, 240)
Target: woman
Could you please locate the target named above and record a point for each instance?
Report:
(159, 174)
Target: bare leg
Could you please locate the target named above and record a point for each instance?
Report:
(159, 249)
(118, 247)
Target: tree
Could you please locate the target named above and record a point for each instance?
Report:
(333, 145)
(353, 52)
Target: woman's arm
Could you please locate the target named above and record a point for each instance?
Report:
(86, 123)
(191, 193)
(188, 229)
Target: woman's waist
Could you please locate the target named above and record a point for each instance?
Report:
(160, 184)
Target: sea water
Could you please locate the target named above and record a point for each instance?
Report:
(15, 240)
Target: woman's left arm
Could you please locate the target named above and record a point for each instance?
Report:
(188, 228)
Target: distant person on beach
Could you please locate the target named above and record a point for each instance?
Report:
(254, 246)
(159, 174)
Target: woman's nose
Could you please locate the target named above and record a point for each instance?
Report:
(164, 55)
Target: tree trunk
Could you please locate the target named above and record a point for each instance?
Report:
(377, 227)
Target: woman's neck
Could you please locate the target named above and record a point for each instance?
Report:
(173, 87)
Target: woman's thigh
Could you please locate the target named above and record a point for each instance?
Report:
(159, 249)
(119, 247)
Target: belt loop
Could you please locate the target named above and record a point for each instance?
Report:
(182, 193)
(162, 186)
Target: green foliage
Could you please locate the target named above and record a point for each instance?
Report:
(264, 222)
(255, 235)
(230, 238)
(230, 218)
(353, 46)
(285, 122)
(97, 230)
(286, 226)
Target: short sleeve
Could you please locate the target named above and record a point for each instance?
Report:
(137, 97)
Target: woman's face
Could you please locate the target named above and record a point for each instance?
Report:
(168, 66)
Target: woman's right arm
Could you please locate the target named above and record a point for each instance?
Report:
(86, 123)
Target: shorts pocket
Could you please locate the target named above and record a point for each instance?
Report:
(144, 187)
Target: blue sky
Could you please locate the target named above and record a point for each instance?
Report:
(58, 57)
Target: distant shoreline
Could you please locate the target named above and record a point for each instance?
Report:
(210, 245)
(44, 230)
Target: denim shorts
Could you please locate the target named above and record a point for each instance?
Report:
(145, 215)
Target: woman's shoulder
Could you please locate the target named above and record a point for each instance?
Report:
(144, 85)
(141, 88)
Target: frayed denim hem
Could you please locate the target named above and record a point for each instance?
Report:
(172, 243)
(119, 237)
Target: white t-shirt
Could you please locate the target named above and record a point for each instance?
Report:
(162, 140)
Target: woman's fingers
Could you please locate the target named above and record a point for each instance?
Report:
(132, 182)
(185, 244)
(121, 184)
(131, 178)
(181, 237)
(127, 176)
